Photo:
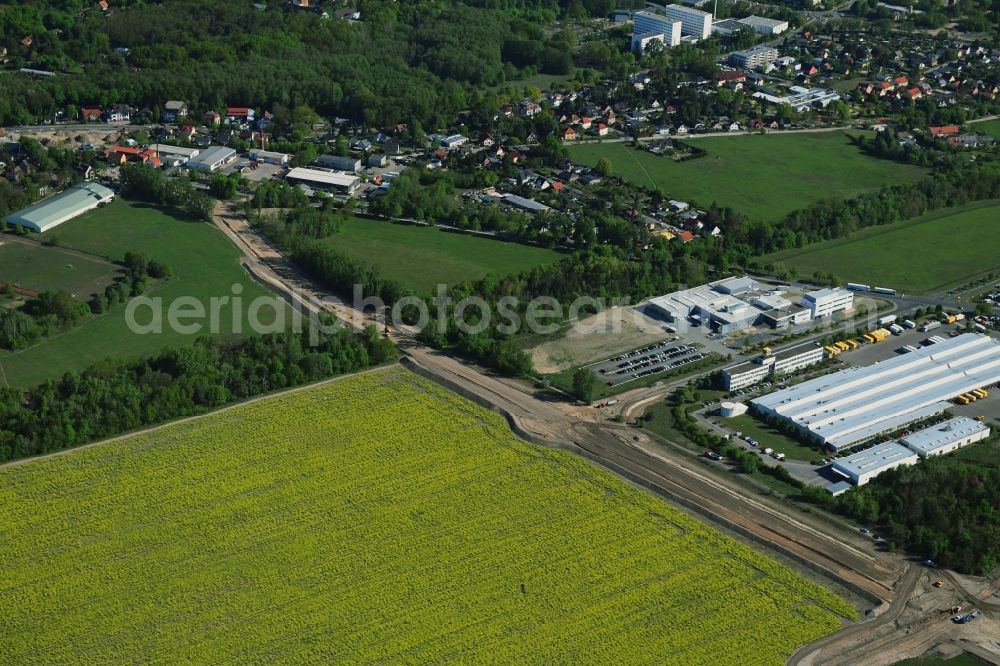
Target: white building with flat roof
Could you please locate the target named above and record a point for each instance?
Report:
(849, 407)
(694, 22)
(647, 27)
(765, 26)
(716, 304)
(864, 466)
(169, 153)
(826, 302)
(758, 56)
(269, 157)
(946, 437)
(344, 183)
(780, 362)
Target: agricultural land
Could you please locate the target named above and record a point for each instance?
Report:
(373, 518)
(926, 254)
(766, 177)
(423, 257)
(204, 262)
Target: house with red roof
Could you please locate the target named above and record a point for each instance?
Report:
(945, 130)
(90, 114)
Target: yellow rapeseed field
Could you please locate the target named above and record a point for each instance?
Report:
(377, 518)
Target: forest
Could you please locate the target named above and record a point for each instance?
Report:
(409, 60)
(113, 396)
(944, 509)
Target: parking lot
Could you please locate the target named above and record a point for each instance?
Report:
(645, 361)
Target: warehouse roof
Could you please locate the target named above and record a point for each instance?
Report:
(181, 151)
(213, 155)
(852, 405)
(874, 459)
(325, 177)
(931, 439)
(64, 206)
(526, 204)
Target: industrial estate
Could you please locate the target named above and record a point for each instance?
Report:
(548, 331)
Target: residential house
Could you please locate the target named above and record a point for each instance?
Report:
(602, 129)
(118, 113)
(212, 118)
(91, 114)
(173, 110)
(945, 130)
(569, 134)
(239, 115)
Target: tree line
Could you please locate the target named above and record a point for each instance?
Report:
(114, 396)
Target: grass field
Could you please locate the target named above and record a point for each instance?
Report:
(45, 268)
(765, 177)
(769, 437)
(423, 257)
(205, 264)
(922, 255)
(377, 518)
(991, 127)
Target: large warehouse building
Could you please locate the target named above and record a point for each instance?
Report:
(854, 405)
(324, 180)
(862, 467)
(62, 207)
(946, 437)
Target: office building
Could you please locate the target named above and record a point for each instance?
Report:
(694, 22)
(647, 27)
(826, 302)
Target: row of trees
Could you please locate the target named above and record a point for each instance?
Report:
(148, 184)
(114, 396)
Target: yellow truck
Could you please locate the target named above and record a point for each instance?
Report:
(980, 393)
(831, 350)
(962, 400)
(853, 344)
(971, 397)
(842, 346)
(868, 337)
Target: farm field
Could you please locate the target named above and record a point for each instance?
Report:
(373, 518)
(38, 267)
(423, 257)
(923, 255)
(205, 264)
(765, 177)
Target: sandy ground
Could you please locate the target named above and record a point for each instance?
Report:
(101, 134)
(597, 337)
(920, 625)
